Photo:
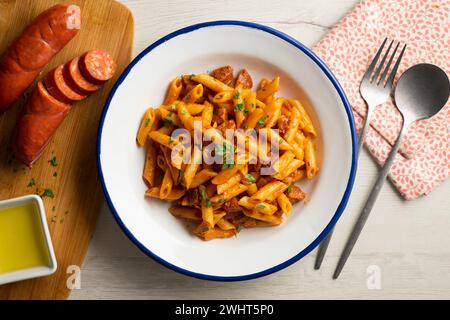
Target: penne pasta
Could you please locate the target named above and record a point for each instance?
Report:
(191, 214)
(230, 193)
(273, 219)
(224, 183)
(310, 159)
(221, 188)
(174, 91)
(193, 95)
(146, 126)
(269, 191)
(258, 206)
(175, 194)
(305, 122)
(150, 165)
(211, 83)
(166, 185)
(267, 89)
(285, 204)
(163, 139)
(202, 177)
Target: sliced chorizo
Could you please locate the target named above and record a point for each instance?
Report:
(58, 88)
(244, 79)
(75, 80)
(224, 74)
(97, 66)
(34, 48)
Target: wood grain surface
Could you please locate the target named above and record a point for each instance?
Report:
(72, 212)
(408, 241)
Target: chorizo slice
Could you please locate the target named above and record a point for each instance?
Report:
(75, 80)
(40, 118)
(244, 79)
(97, 66)
(296, 194)
(58, 88)
(224, 74)
(34, 48)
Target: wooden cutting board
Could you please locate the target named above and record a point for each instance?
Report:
(72, 176)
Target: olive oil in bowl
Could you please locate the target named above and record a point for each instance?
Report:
(25, 246)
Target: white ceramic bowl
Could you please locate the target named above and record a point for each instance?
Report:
(265, 52)
(38, 271)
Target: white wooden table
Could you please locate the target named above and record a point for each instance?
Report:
(404, 251)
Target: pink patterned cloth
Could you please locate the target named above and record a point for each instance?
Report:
(424, 25)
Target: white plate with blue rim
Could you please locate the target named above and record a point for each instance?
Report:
(265, 53)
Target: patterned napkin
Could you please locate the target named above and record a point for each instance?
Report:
(424, 25)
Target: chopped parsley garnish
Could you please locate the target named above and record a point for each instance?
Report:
(228, 165)
(183, 111)
(262, 121)
(147, 122)
(205, 199)
(32, 183)
(237, 95)
(250, 178)
(280, 141)
(173, 106)
(167, 122)
(260, 206)
(286, 136)
(171, 141)
(246, 111)
(191, 76)
(48, 193)
(239, 107)
(224, 149)
(181, 173)
(222, 201)
(55, 174)
(53, 162)
(238, 228)
(203, 194)
(289, 189)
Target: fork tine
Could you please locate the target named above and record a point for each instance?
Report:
(390, 80)
(374, 62)
(386, 70)
(380, 66)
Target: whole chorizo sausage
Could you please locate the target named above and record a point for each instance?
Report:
(40, 118)
(33, 49)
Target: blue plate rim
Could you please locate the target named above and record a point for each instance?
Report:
(329, 75)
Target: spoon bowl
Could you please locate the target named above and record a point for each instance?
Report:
(421, 92)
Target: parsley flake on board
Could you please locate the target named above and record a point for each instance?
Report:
(32, 183)
(53, 162)
(48, 193)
